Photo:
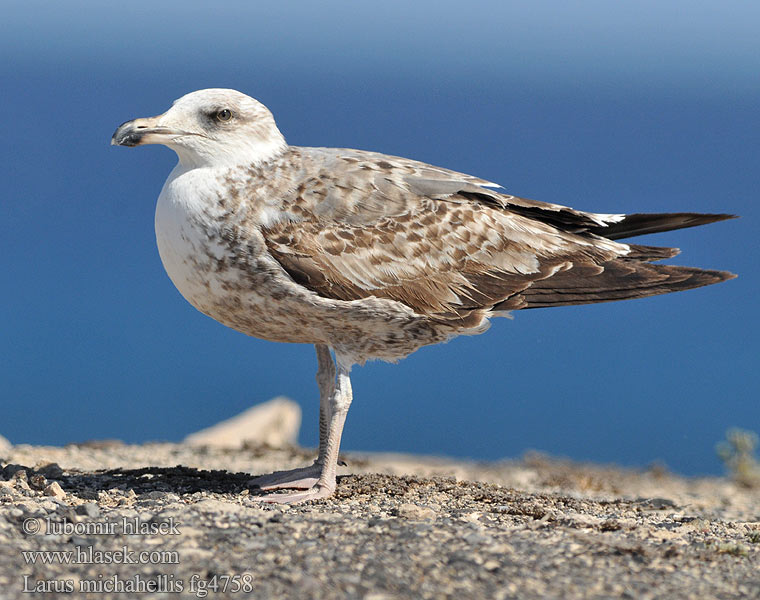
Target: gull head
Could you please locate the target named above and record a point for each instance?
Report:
(209, 128)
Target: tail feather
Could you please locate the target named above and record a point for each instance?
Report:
(644, 223)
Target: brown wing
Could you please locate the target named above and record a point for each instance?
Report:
(391, 228)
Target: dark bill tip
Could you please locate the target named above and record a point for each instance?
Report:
(126, 135)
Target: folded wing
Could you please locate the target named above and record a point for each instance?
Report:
(445, 245)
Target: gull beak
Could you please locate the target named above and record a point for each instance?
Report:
(143, 131)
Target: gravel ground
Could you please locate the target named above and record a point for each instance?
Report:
(135, 524)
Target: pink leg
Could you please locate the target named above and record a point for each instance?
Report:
(338, 404)
(307, 477)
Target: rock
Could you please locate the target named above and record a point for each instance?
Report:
(49, 470)
(274, 423)
(55, 490)
(49, 506)
(15, 471)
(414, 512)
(491, 565)
(89, 509)
(38, 482)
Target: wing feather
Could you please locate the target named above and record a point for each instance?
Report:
(445, 245)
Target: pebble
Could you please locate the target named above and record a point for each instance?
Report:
(491, 565)
(54, 489)
(88, 509)
(49, 505)
(415, 512)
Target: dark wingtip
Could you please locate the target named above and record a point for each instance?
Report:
(714, 218)
(620, 280)
(645, 223)
(700, 277)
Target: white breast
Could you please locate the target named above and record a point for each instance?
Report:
(185, 211)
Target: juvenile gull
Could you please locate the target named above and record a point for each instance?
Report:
(369, 256)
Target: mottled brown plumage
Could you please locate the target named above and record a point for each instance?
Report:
(368, 255)
(449, 253)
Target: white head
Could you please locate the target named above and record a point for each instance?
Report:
(209, 128)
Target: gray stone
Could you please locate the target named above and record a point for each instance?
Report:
(89, 509)
(50, 470)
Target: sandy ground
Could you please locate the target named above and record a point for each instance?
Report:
(106, 520)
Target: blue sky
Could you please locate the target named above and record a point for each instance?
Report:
(612, 107)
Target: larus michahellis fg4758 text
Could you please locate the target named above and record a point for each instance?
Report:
(366, 255)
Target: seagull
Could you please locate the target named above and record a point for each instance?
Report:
(370, 256)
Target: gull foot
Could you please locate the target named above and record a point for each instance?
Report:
(302, 478)
(315, 493)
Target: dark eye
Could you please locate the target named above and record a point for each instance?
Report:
(224, 115)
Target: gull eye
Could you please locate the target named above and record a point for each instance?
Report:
(224, 115)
